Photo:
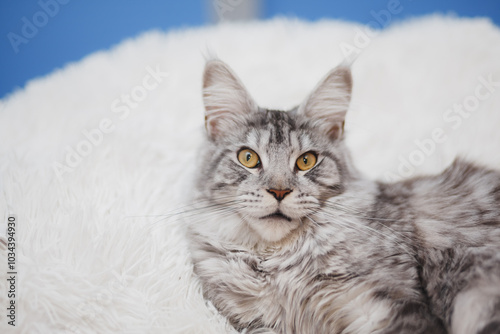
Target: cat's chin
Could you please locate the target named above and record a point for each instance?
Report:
(274, 227)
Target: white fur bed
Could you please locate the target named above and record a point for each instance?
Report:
(91, 255)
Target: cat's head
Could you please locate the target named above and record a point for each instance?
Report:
(273, 169)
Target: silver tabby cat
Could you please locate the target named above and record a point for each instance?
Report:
(292, 239)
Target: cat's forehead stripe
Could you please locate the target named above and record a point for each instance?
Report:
(277, 126)
(281, 126)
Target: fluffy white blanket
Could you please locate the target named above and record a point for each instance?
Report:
(97, 158)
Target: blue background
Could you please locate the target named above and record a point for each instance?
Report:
(81, 27)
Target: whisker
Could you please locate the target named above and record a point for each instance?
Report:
(357, 214)
(192, 210)
(211, 200)
(362, 227)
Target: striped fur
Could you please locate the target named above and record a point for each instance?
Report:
(340, 253)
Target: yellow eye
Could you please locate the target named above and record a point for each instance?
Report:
(306, 161)
(248, 158)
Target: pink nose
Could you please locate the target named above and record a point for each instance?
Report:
(279, 194)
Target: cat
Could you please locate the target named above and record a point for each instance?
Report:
(291, 238)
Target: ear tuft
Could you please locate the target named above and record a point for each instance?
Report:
(225, 98)
(329, 101)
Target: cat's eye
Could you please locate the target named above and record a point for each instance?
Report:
(306, 161)
(248, 158)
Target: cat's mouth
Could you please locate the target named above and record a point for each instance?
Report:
(277, 215)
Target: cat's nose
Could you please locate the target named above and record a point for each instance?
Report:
(279, 194)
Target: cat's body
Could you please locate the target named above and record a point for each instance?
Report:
(299, 242)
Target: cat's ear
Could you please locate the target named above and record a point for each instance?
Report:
(226, 99)
(329, 101)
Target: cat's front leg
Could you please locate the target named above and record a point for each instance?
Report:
(236, 284)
